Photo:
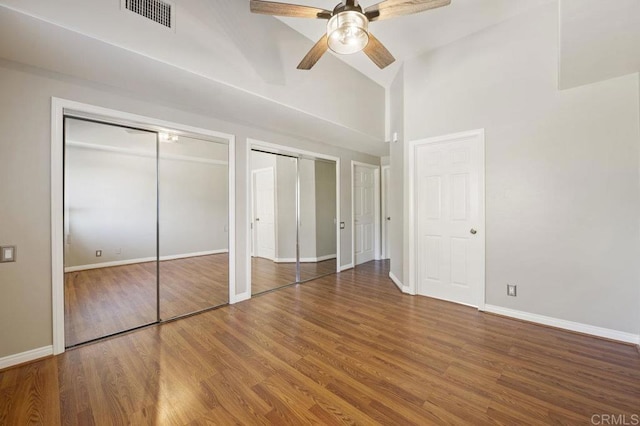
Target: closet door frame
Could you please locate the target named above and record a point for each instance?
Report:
(255, 144)
(61, 108)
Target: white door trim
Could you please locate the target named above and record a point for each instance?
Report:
(384, 210)
(376, 207)
(275, 148)
(411, 205)
(60, 107)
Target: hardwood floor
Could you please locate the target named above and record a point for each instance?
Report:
(100, 302)
(268, 275)
(346, 348)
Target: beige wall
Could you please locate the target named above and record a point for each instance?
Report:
(562, 169)
(25, 122)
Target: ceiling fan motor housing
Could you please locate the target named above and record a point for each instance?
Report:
(348, 28)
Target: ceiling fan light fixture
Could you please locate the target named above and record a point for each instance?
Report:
(348, 32)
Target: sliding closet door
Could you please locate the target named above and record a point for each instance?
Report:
(110, 220)
(317, 224)
(273, 225)
(193, 229)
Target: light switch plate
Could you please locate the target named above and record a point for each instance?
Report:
(7, 254)
(341, 225)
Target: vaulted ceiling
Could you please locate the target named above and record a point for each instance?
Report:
(223, 61)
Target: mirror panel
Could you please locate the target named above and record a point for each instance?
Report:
(318, 245)
(273, 226)
(193, 224)
(110, 216)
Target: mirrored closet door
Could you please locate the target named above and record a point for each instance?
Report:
(193, 224)
(110, 223)
(293, 203)
(145, 225)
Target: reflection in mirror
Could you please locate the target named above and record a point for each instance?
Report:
(318, 245)
(193, 228)
(273, 204)
(110, 246)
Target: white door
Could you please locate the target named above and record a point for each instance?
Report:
(386, 215)
(449, 218)
(264, 213)
(364, 204)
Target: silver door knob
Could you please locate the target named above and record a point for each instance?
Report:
(257, 219)
(388, 218)
(473, 231)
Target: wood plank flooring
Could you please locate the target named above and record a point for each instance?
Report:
(346, 348)
(100, 302)
(268, 275)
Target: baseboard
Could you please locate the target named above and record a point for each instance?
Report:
(304, 259)
(239, 297)
(403, 288)
(565, 325)
(21, 358)
(347, 266)
(142, 260)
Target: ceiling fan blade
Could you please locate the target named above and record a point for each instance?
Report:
(392, 8)
(314, 54)
(378, 53)
(291, 10)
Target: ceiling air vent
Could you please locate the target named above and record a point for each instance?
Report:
(156, 10)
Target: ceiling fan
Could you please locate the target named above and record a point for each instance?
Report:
(348, 25)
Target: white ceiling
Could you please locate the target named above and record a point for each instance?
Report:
(411, 35)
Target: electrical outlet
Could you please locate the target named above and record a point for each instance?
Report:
(7, 254)
(341, 225)
(118, 251)
(98, 253)
(512, 290)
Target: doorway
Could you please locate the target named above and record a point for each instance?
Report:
(447, 225)
(386, 213)
(366, 212)
(145, 226)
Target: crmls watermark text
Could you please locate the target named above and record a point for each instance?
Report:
(616, 419)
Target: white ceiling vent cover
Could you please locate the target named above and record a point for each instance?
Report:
(159, 11)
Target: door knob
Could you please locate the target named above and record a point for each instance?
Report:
(388, 218)
(473, 231)
(257, 219)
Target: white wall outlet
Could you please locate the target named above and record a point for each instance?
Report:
(98, 253)
(512, 290)
(7, 254)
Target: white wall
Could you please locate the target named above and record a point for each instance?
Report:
(562, 169)
(25, 122)
(111, 200)
(397, 225)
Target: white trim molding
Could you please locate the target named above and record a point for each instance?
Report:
(63, 107)
(346, 267)
(403, 288)
(27, 356)
(564, 324)
(142, 260)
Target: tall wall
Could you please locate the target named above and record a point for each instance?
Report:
(25, 159)
(562, 169)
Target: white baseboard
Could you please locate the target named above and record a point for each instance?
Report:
(403, 288)
(33, 354)
(304, 259)
(142, 260)
(345, 267)
(239, 297)
(566, 325)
